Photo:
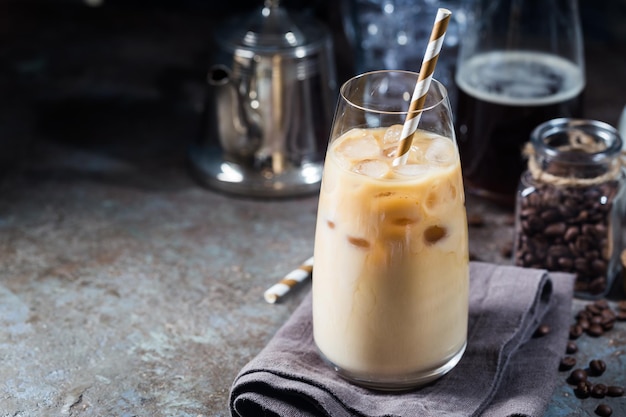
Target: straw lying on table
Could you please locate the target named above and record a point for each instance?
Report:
(278, 290)
(423, 83)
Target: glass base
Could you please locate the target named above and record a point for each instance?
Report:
(403, 382)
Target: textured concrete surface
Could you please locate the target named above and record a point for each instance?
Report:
(125, 288)
(122, 301)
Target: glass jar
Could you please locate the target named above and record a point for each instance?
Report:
(570, 202)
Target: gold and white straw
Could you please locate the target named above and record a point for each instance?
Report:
(282, 287)
(423, 83)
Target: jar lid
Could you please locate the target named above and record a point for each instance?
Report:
(272, 30)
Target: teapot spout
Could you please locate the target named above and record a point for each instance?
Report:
(235, 133)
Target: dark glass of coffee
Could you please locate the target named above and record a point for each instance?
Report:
(519, 66)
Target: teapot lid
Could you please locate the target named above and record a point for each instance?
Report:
(272, 30)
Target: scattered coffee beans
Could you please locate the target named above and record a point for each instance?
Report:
(575, 331)
(603, 410)
(594, 320)
(577, 376)
(595, 330)
(583, 389)
(567, 363)
(614, 391)
(572, 347)
(597, 367)
(598, 390)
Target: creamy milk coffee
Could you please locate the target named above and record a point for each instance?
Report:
(390, 282)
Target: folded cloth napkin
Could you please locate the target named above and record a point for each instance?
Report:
(505, 371)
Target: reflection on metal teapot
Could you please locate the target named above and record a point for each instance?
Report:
(270, 98)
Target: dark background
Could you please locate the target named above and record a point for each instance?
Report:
(126, 78)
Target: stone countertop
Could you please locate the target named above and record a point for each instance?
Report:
(125, 288)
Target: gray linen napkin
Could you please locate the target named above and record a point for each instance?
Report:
(504, 371)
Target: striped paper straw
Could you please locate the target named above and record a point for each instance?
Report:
(278, 290)
(422, 85)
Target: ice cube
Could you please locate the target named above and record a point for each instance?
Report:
(415, 155)
(390, 152)
(358, 146)
(373, 168)
(392, 135)
(411, 170)
(440, 152)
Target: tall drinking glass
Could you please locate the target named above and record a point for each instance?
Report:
(391, 275)
(520, 64)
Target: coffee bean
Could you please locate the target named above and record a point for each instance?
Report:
(565, 264)
(593, 309)
(567, 212)
(555, 229)
(558, 251)
(575, 331)
(584, 323)
(572, 347)
(535, 224)
(603, 410)
(550, 215)
(595, 330)
(621, 315)
(567, 363)
(608, 325)
(607, 315)
(598, 266)
(582, 217)
(614, 391)
(577, 376)
(601, 304)
(589, 230)
(598, 390)
(597, 367)
(542, 330)
(601, 229)
(583, 389)
(581, 267)
(571, 233)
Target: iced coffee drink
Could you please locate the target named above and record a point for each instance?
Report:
(390, 281)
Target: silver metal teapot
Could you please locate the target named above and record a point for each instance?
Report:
(270, 98)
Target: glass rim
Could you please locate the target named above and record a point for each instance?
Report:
(351, 80)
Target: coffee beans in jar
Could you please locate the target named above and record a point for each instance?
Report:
(570, 203)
